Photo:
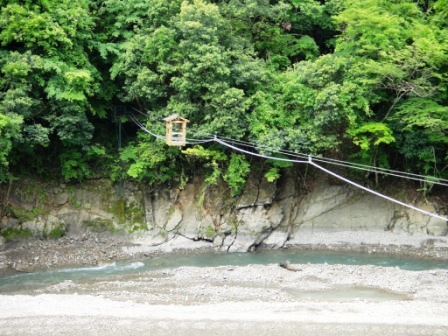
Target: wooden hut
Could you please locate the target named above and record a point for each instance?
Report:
(176, 130)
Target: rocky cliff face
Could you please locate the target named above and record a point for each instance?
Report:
(266, 214)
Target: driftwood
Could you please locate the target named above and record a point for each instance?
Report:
(287, 265)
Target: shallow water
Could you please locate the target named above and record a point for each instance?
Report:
(25, 282)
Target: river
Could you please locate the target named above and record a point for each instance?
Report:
(27, 282)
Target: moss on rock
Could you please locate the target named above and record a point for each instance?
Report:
(101, 225)
(24, 215)
(15, 233)
(57, 232)
(118, 209)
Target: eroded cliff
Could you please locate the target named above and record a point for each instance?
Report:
(265, 214)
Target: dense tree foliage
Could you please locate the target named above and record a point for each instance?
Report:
(363, 80)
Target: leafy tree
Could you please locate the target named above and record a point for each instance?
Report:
(369, 137)
(309, 107)
(367, 78)
(48, 78)
(396, 57)
(423, 128)
(394, 50)
(185, 60)
(220, 168)
(282, 32)
(274, 172)
(237, 171)
(151, 161)
(9, 130)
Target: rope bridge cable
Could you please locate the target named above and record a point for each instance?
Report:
(409, 177)
(388, 172)
(380, 170)
(256, 154)
(161, 137)
(375, 192)
(142, 127)
(310, 160)
(351, 165)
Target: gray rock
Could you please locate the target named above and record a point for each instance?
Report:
(437, 227)
(61, 199)
(173, 219)
(276, 239)
(9, 222)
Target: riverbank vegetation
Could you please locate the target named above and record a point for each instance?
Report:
(364, 81)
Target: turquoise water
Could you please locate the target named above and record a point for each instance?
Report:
(30, 281)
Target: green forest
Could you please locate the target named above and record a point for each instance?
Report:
(363, 81)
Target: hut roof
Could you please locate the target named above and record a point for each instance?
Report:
(174, 117)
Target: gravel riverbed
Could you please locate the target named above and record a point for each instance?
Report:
(239, 300)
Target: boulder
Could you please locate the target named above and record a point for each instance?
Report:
(9, 222)
(61, 199)
(436, 227)
(48, 226)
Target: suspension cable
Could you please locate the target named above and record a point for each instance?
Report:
(375, 192)
(256, 154)
(335, 162)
